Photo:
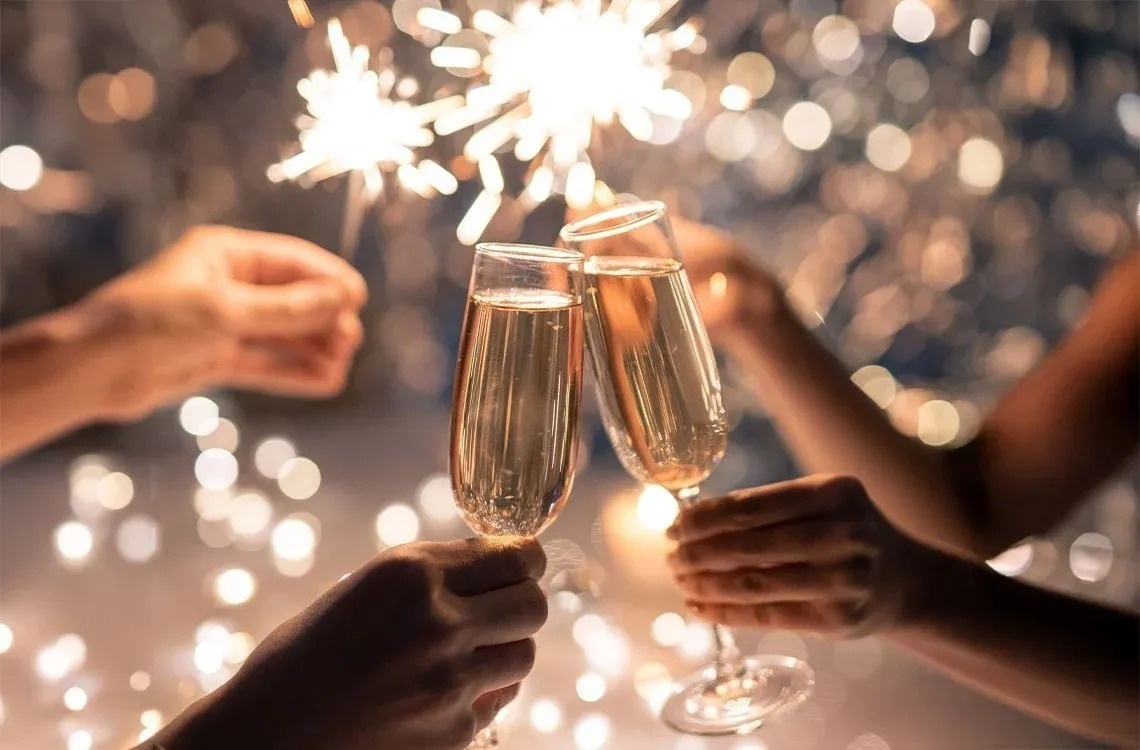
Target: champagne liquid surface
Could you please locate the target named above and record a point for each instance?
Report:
(514, 430)
(656, 375)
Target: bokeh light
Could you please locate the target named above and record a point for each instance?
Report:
(397, 524)
(216, 469)
(234, 586)
(299, 478)
(20, 168)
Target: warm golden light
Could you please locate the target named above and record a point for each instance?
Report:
(533, 86)
(358, 120)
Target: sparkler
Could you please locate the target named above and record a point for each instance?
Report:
(362, 121)
(553, 75)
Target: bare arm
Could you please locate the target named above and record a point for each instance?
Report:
(51, 376)
(815, 554)
(1049, 441)
(221, 306)
(1068, 662)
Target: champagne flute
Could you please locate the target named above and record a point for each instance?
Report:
(661, 406)
(518, 386)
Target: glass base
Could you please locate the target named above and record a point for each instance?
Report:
(758, 687)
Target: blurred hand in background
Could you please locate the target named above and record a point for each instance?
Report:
(220, 307)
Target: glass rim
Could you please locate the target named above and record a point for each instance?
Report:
(537, 253)
(633, 216)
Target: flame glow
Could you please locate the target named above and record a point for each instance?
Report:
(362, 120)
(547, 79)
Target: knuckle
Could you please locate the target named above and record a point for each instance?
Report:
(448, 687)
(527, 653)
(536, 604)
(843, 488)
(459, 732)
(753, 582)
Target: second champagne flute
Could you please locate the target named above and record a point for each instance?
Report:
(660, 398)
(518, 385)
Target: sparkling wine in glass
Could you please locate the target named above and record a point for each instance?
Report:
(661, 405)
(518, 386)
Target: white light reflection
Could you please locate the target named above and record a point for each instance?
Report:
(1014, 561)
(73, 542)
(115, 490)
(397, 524)
(299, 478)
(234, 586)
(435, 498)
(592, 731)
(1091, 557)
(591, 687)
(249, 514)
(656, 507)
(198, 416)
(546, 716)
(20, 168)
(75, 698)
(80, 740)
(294, 538)
(138, 539)
(668, 629)
(913, 21)
(271, 454)
(216, 469)
(807, 126)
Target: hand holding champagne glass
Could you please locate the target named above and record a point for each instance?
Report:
(661, 405)
(514, 429)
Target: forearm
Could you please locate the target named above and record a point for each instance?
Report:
(832, 427)
(51, 377)
(1069, 662)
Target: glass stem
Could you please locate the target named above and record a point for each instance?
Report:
(726, 651)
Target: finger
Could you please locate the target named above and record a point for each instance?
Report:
(487, 706)
(817, 542)
(821, 618)
(278, 371)
(474, 566)
(295, 309)
(786, 583)
(757, 507)
(505, 615)
(496, 667)
(272, 259)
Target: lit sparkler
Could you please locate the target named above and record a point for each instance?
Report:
(549, 78)
(362, 121)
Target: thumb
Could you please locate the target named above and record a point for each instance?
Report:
(293, 309)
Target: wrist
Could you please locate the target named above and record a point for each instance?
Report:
(935, 584)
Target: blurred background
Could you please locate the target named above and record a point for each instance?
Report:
(940, 181)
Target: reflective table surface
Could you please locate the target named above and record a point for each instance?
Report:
(116, 630)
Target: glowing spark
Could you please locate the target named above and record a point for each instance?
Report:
(361, 120)
(301, 13)
(551, 76)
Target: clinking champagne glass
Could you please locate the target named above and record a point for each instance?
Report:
(518, 386)
(661, 405)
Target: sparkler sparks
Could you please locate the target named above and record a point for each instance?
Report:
(548, 79)
(363, 120)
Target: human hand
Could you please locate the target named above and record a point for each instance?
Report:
(226, 307)
(419, 649)
(811, 554)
